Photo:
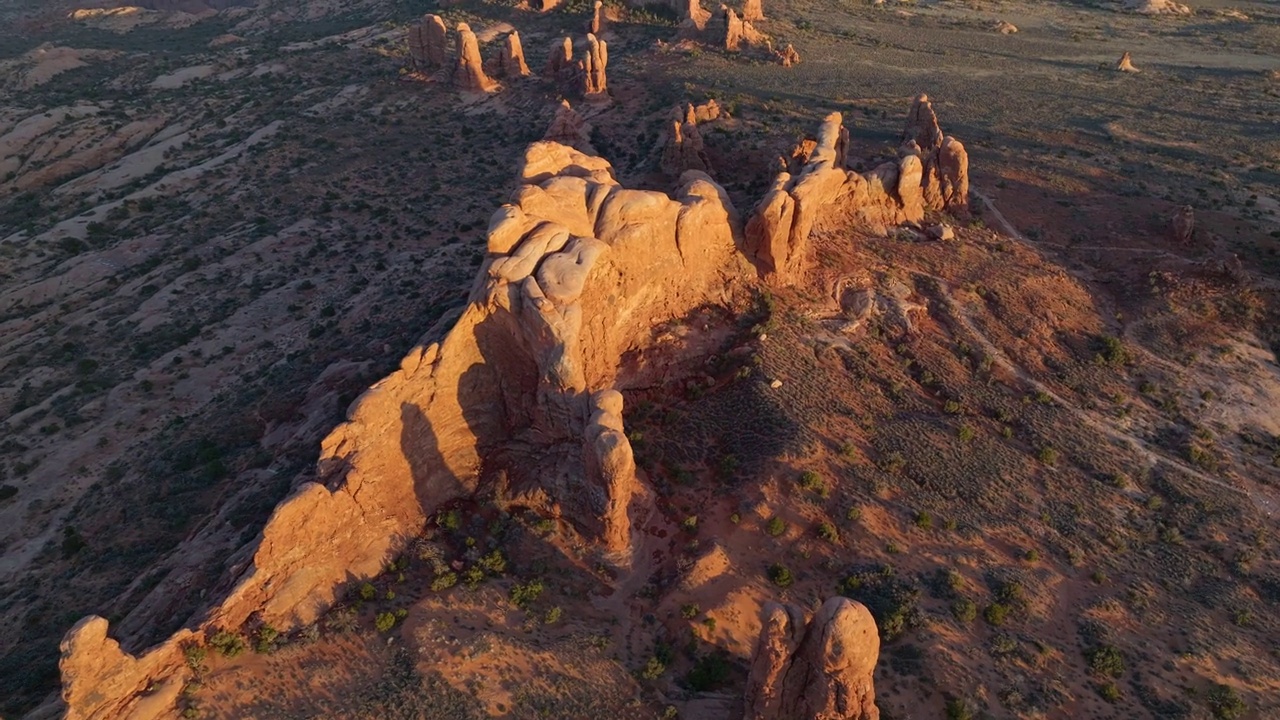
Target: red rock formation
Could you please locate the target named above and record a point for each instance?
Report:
(753, 10)
(560, 59)
(568, 128)
(468, 72)
(511, 61)
(524, 378)
(684, 149)
(596, 25)
(738, 32)
(816, 185)
(593, 66)
(819, 671)
(427, 43)
(789, 56)
(693, 18)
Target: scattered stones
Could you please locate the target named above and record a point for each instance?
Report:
(775, 384)
(427, 43)
(821, 670)
(1126, 64)
(1184, 224)
(468, 72)
(941, 231)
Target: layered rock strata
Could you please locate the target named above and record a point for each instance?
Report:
(819, 670)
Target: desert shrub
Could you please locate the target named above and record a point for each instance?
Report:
(444, 581)
(652, 669)
(893, 602)
(853, 514)
(264, 640)
(690, 524)
(1109, 692)
(384, 621)
(1105, 661)
(1048, 455)
(228, 644)
(367, 591)
(780, 575)
(828, 532)
(708, 673)
(1225, 704)
(493, 563)
(195, 656)
(472, 577)
(813, 482)
(553, 616)
(775, 527)
(924, 520)
(958, 709)
(996, 614)
(1031, 555)
(964, 610)
(966, 433)
(524, 594)
(449, 519)
(690, 611)
(1111, 351)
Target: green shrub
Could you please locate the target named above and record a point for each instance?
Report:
(924, 520)
(1048, 455)
(368, 591)
(1225, 704)
(996, 614)
(493, 563)
(1109, 692)
(653, 669)
(524, 594)
(264, 640)
(1105, 661)
(966, 433)
(195, 656)
(690, 611)
(690, 524)
(964, 610)
(444, 581)
(553, 616)
(708, 673)
(228, 644)
(828, 532)
(384, 621)
(472, 577)
(958, 709)
(813, 482)
(781, 576)
(775, 527)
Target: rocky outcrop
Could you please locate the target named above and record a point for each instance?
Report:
(578, 271)
(683, 148)
(753, 10)
(596, 25)
(560, 60)
(693, 18)
(738, 32)
(1005, 27)
(511, 60)
(1126, 64)
(427, 43)
(468, 71)
(820, 670)
(593, 67)
(944, 161)
(546, 5)
(789, 57)
(931, 173)
(568, 128)
(1184, 224)
(1156, 7)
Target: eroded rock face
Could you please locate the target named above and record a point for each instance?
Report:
(427, 43)
(738, 32)
(511, 61)
(561, 58)
(468, 72)
(596, 25)
(789, 57)
(931, 173)
(595, 86)
(526, 379)
(753, 10)
(568, 128)
(683, 148)
(693, 18)
(821, 670)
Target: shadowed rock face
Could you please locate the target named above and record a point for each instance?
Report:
(468, 73)
(821, 670)
(427, 43)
